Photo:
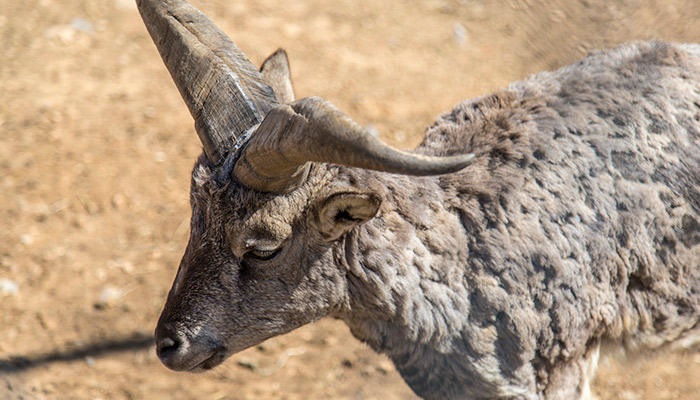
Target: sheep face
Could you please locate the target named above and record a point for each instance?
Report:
(257, 265)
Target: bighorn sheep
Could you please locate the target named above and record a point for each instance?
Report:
(528, 229)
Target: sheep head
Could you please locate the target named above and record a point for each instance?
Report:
(269, 200)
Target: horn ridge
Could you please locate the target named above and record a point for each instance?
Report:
(312, 129)
(225, 93)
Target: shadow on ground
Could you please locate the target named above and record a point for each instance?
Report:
(22, 363)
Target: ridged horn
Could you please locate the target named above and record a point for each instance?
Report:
(224, 92)
(276, 157)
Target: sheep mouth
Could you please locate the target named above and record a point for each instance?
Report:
(218, 356)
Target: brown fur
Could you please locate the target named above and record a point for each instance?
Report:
(577, 225)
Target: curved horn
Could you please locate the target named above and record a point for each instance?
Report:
(312, 129)
(224, 92)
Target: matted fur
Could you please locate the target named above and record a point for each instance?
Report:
(578, 225)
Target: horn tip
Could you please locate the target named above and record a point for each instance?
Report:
(460, 162)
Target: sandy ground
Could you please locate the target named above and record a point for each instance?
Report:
(96, 149)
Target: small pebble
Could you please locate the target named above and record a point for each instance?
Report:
(26, 239)
(82, 25)
(8, 287)
(109, 296)
(461, 35)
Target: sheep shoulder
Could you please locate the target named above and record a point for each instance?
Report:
(577, 225)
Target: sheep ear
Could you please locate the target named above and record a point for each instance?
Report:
(342, 211)
(275, 70)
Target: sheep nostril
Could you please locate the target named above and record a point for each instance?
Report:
(166, 347)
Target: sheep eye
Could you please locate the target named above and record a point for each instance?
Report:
(263, 255)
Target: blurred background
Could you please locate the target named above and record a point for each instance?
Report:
(96, 149)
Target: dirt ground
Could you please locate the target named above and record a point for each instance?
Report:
(96, 149)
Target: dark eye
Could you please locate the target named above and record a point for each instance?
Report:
(263, 255)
